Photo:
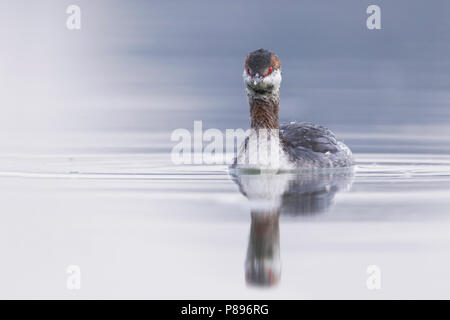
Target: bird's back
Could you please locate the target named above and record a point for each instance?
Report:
(314, 146)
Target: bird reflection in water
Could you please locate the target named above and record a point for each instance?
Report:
(271, 195)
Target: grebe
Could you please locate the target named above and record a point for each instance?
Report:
(297, 145)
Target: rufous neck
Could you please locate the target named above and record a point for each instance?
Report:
(264, 112)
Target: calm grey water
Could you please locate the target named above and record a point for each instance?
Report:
(85, 171)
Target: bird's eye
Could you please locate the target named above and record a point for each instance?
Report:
(269, 71)
(248, 71)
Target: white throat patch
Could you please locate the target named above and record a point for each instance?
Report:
(270, 84)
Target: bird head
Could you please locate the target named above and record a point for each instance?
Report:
(262, 72)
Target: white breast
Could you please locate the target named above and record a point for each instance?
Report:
(263, 151)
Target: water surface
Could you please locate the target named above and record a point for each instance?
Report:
(141, 227)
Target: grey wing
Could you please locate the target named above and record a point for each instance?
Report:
(314, 145)
(310, 136)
